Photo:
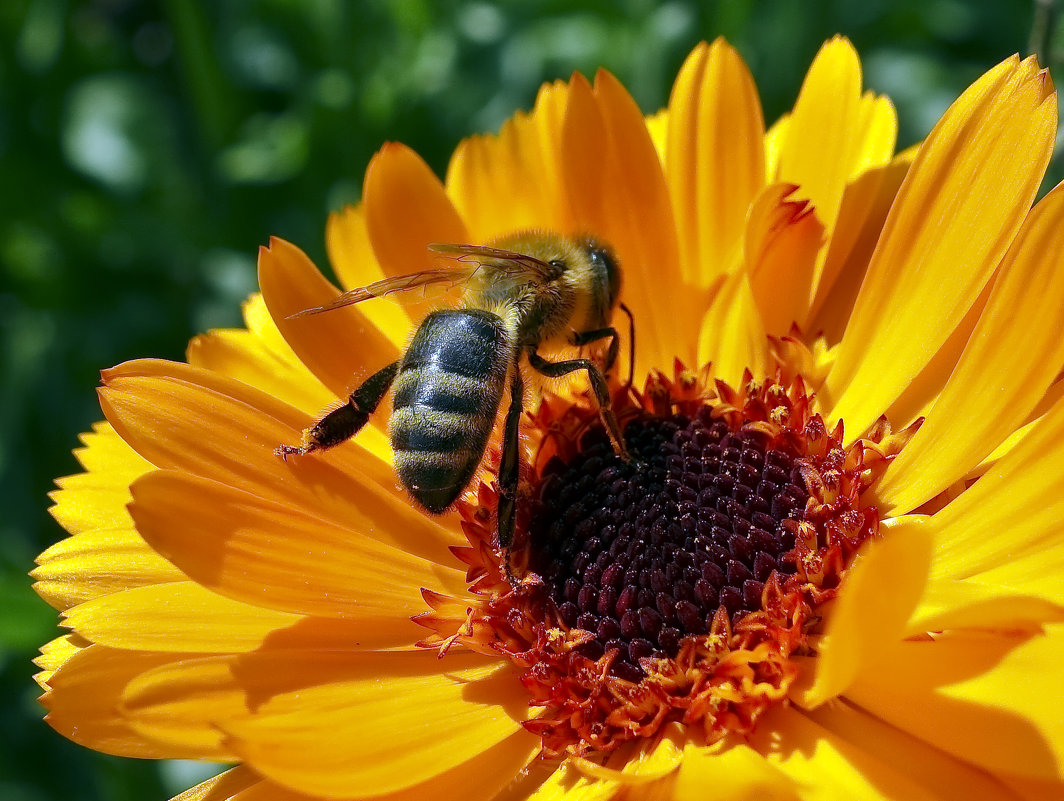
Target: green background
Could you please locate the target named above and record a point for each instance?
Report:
(148, 148)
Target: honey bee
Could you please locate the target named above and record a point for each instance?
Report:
(528, 293)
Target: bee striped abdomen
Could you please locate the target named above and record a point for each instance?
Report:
(447, 396)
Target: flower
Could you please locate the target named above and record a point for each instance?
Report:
(832, 569)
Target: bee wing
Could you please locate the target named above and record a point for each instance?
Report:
(395, 283)
(514, 265)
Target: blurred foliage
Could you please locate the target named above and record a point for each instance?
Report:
(148, 148)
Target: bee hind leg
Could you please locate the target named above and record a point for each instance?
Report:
(509, 470)
(598, 385)
(344, 422)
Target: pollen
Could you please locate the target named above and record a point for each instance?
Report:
(677, 586)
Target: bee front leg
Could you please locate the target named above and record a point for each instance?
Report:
(509, 469)
(587, 337)
(598, 386)
(344, 422)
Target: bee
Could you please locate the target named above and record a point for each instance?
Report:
(525, 295)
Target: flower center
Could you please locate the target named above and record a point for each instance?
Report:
(677, 587)
(643, 554)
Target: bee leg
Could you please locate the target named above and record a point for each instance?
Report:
(631, 346)
(509, 469)
(598, 386)
(587, 337)
(344, 422)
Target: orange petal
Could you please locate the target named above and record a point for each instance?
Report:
(83, 702)
(179, 703)
(618, 193)
(204, 424)
(984, 698)
(714, 158)
(521, 164)
(780, 250)
(352, 257)
(176, 617)
(1010, 360)
(880, 591)
(97, 563)
(340, 347)
(406, 210)
(733, 336)
(268, 553)
(376, 723)
(260, 357)
(958, 210)
(240, 355)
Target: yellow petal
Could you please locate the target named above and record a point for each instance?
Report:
(829, 757)
(340, 347)
(618, 191)
(920, 395)
(714, 158)
(732, 335)
(987, 699)
(932, 771)
(54, 653)
(959, 208)
(780, 250)
(834, 133)
(236, 784)
(1012, 356)
(374, 723)
(97, 499)
(83, 702)
(1035, 575)
(106, 453)
(864, 208)
(207, 425)
(177, 617)
(96, 563)
(1048, 401)
(351, 256)
(569, 784)
(406, 210)
(981, 604)
(879, 593)
(641, 764)
(736, 773)
(1014, 509)
(264, 552)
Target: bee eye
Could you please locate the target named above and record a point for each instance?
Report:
(558, 264)
(605, 261)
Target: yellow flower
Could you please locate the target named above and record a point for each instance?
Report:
(875, 614)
